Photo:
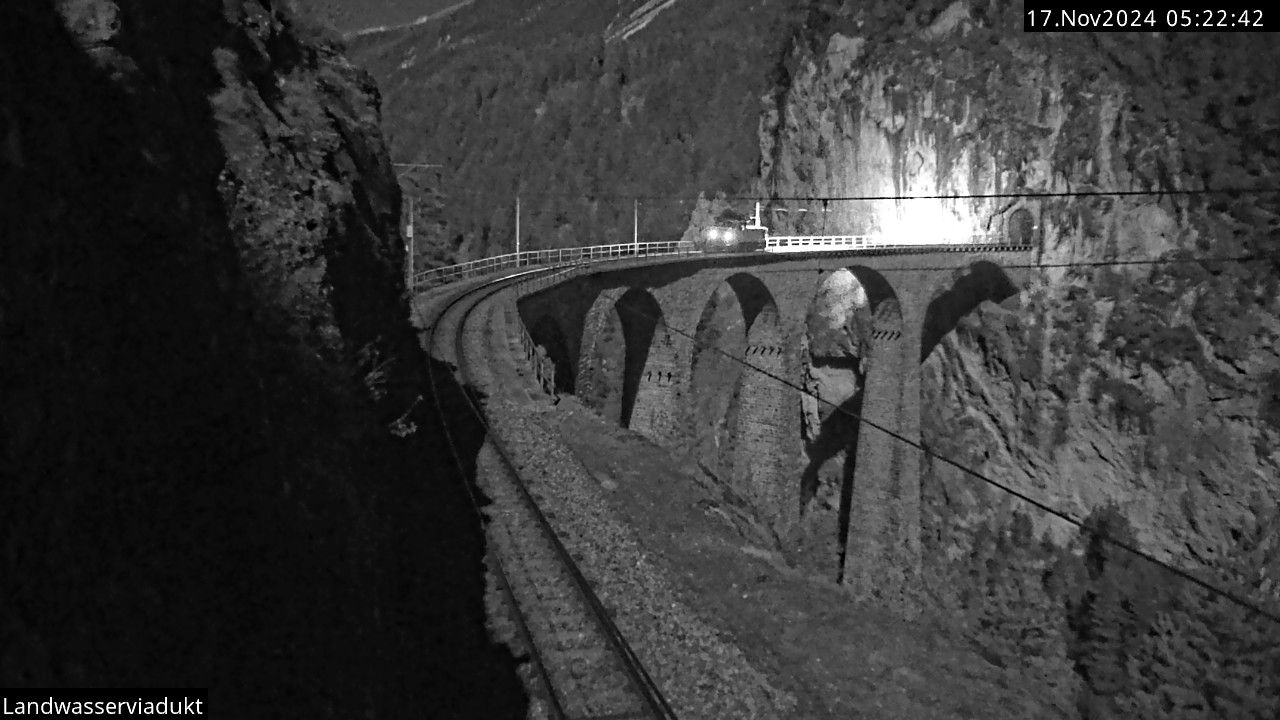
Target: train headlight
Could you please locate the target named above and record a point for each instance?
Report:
(713, 233)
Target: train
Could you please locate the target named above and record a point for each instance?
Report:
(732, 232)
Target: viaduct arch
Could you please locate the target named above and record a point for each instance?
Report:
(738, 410)
(958, 293)
(664, 350)
(626, 368)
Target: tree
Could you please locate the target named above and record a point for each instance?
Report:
(1209, 656)
(1112, 610)
(1017, 620)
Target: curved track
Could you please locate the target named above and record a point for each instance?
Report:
(584, 669)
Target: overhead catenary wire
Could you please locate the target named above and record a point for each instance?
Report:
(1030, 194)
(1045, 507)
(1238, 259)
(1038, 504)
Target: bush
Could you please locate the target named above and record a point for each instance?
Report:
(1269, 408)
(1208, 656)
(1005, 585)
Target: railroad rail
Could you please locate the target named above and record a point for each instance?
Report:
(583, 665)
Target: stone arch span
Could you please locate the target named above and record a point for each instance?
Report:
(547, 334)
(957, 296)
(719, 342)
(739, 409)
(627, 371)
(853, 337)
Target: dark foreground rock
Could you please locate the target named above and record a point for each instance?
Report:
(209, 385)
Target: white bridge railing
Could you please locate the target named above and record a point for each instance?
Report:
(810, 243)
(773, 244)
(453, 273)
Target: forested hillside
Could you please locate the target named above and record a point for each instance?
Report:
(534, 102)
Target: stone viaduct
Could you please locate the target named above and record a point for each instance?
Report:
(708, 357)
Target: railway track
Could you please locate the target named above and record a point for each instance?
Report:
(582, 668)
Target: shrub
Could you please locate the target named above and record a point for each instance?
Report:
(1108, 610)
(1208, 656)
(1131, 405)
(1269, 407)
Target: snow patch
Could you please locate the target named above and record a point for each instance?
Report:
(638, 19)
(422, 20)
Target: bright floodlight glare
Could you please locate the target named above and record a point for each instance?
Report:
(928, 224)
(713, 234)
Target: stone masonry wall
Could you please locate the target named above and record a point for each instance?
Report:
(884, 537)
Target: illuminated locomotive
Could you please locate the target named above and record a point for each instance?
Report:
(732, 232)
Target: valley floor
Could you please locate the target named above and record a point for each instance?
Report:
(839, 658)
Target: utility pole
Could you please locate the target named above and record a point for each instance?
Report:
(408, 273)
(635, 226)
(411, 250)
(517, 230)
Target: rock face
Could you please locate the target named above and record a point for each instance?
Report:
(206, 347)
(1152, 386)
(310, 194)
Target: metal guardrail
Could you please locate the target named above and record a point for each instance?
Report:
(453, 273)
(809, 243)
(773, 244)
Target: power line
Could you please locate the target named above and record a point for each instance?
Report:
(1036, 194)
(1133, 549)
(1239, 259)
(591, 197)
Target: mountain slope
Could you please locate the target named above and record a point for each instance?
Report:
(349, 16)
(534, 102)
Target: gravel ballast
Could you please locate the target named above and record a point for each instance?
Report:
(698, 667)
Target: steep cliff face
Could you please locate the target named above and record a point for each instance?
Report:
(310, 195)
(1152, 386)
(207, 370)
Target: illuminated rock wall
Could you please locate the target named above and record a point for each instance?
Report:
(1147, 385)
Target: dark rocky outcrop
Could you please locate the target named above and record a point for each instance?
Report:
(209, 381)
